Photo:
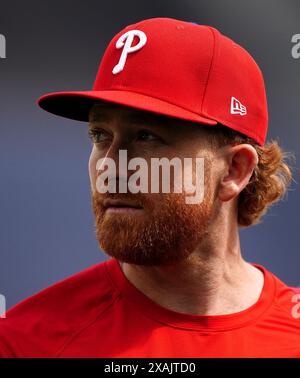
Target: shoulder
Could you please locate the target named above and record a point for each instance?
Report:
(42, 323)
(296, 290)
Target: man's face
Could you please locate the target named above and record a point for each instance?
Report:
(161, 228)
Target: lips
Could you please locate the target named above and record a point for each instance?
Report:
(119, 203)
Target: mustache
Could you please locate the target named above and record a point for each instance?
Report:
(137, 198)
(117, 182)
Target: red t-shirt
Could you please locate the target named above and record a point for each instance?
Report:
(99, 313)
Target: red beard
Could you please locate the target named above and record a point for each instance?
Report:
(166, 231)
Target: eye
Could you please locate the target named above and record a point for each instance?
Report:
(147, 136)
(98, 135)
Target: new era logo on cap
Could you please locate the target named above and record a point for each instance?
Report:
(237, 107)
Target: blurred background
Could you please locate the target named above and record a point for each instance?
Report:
(47, 225)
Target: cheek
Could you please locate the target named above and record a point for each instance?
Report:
(213, 175)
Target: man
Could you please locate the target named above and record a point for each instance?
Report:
(176, 284)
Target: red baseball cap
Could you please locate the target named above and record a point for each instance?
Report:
(179, 69)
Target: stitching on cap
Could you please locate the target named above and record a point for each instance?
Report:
(210, 67)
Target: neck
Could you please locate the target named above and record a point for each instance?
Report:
(214, 280)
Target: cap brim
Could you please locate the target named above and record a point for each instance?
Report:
(76, 105)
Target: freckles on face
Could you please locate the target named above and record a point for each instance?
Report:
(152, 138)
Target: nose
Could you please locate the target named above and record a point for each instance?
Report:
(119, 143)
(115, 160)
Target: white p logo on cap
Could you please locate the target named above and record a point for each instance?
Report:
(128, 36)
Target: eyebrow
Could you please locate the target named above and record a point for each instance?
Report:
(135, 117)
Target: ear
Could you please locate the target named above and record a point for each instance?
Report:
(240, 161)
